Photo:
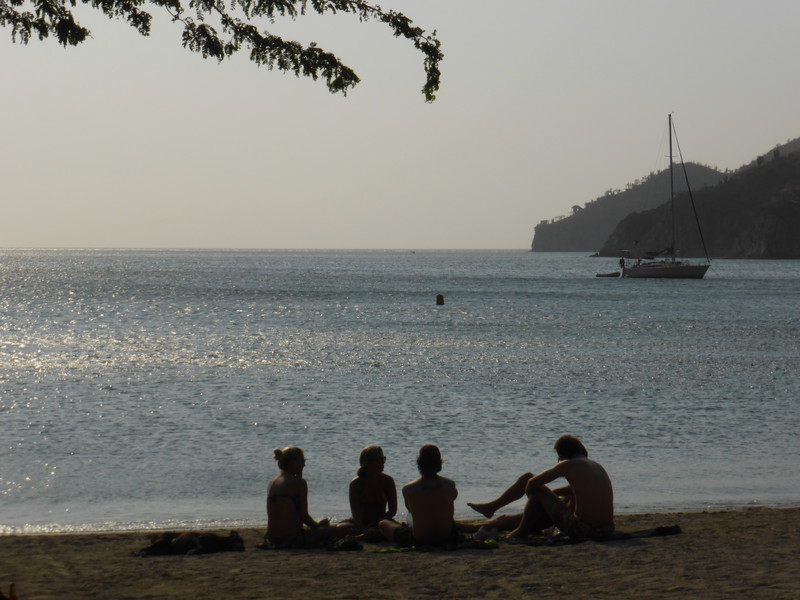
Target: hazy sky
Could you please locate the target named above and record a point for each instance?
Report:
(128, 141)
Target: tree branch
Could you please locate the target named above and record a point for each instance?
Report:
(47, 17)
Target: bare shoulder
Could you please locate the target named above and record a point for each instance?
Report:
(451, 488)
(583, 468)
(298, 483)
(411, 485)
(438, 483)
(584, 462)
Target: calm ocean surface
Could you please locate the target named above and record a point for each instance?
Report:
(147, 389)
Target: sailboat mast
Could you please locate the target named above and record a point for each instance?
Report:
(671, 188)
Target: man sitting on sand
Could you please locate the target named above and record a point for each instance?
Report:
(582, 509)
(430, 500)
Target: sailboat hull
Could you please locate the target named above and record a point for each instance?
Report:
(666, 270)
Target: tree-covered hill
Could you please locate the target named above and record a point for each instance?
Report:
(752, 214)
(588, 227)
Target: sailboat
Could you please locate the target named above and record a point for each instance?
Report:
(667, 266)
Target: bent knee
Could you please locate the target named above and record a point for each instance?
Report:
(387, 528)
(525, 477)
(532, 490)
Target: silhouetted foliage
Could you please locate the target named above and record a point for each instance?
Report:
(219, 29)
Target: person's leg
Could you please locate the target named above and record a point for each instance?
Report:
(504, 522)
(468, 527)
(387, 529)
(542, 505)
(401, 535)
(514, 492)
(347, 528)
(329, 533)
(501, 523)
(371, 534)
(490, 528)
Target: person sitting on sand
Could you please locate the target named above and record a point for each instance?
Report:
(288, 523)
(373, 494)
(582, 509)
(430, 500)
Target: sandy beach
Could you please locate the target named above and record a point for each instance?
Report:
(750, 553)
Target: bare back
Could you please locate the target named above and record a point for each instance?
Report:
(591, 491)
(286, 505)
(372, 499)
(430, 500)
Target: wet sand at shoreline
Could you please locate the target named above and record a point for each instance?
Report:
(749, 553)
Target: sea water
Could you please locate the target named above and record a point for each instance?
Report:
(147, 389)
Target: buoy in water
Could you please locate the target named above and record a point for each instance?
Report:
(439, 300)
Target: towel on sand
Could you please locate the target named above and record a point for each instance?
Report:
(563, 540)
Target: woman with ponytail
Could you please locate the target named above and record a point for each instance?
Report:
(288, 523)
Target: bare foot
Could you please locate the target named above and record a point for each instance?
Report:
(485, 509)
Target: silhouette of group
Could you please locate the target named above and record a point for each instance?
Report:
(582, 509)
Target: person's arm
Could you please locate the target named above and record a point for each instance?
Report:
(355, 505)
(391, 497)
(408, 499)
(545, 477)
(565, 491)
(303, 506)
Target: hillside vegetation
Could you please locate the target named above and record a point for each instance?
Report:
(754, 214)
(751, 213)
(588, 227)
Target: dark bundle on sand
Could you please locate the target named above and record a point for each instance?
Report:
(190, 542)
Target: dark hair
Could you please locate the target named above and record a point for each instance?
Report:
(429, 460)
(287, 455)
(568, 446)
(368, 454)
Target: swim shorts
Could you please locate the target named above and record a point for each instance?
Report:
(569, 523)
